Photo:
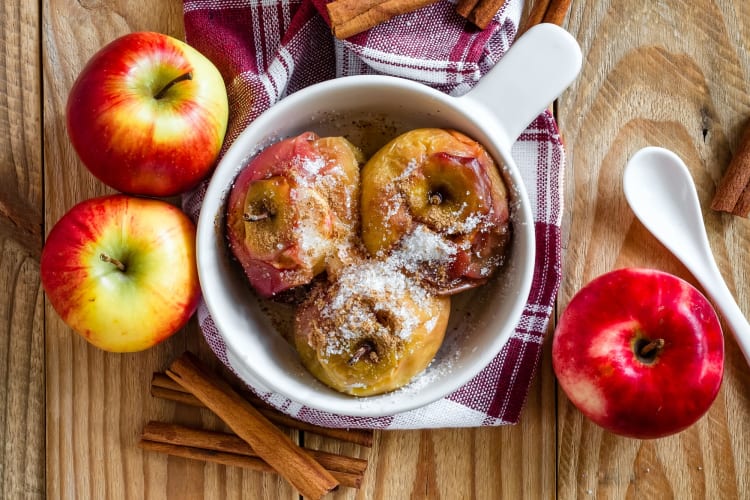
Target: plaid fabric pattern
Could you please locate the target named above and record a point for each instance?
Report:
(268, 49)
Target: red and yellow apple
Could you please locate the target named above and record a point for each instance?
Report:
(121, 271)
(445, 182)
(147, 115)
(292, 209)
(640, 352)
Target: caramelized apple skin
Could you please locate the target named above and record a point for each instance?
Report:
(448, 183)
(290, 209)
(370, 331)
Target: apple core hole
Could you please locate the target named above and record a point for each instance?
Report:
(439, 195)
(647, 351)
(384, 318)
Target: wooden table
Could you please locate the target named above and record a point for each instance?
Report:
(668, 72)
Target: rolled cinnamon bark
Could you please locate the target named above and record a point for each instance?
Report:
(165, 388)
(352, 480)
(733, 193)
(350, 17)
(557, 11)
(484, 12)
(273, 446)
(464, 7)
(183, 436)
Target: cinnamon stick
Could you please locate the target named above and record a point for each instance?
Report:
(223, 458)
(350, 17)
(179, 397)
(557, 11)
(484, 12)
(165, 388)
(271, 444)
(217, 457)
(351, 469)
(464, 7)
(546, 11)
(742, 207)
(733, 193)
(536, 15)
(341, 11)
(182, 435)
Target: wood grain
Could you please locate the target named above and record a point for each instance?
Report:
(486, 463)
(669, 73)
(97, 403)
(21, 208)
(676, 75)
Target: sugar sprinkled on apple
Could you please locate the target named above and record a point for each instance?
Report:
(443, 180)
(292, 208)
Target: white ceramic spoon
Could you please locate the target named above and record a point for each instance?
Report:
(661, 192)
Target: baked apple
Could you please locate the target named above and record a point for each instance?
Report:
(445, 182)
(292, 208)
(371, 330)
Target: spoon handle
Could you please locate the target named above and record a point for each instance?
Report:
(717, 289)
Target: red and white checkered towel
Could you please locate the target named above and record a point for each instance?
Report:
(268, 49)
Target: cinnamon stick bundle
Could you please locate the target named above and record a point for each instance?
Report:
(289, 460)
(165, 388)
(229, 449)
(733, 193)
(350, 17)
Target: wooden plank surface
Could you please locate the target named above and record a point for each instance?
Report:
(672, 74)
(669, 73)
(487, 463)
(21, 208)
(98, 402)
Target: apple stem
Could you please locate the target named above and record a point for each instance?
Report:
(365, 349)
(181, 78)
(255, 217)
(435, 199)
(118, 264)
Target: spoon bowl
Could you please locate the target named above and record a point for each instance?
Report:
(661, 193)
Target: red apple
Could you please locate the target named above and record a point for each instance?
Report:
(147, 115)
(640, 352)
(292, 209)
(121, 271)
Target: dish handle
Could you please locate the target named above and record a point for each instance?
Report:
(537, 68)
